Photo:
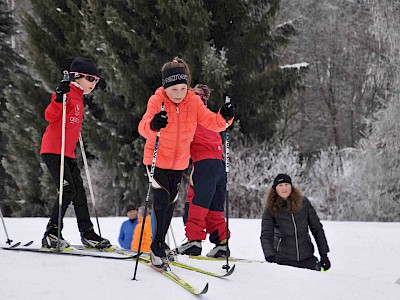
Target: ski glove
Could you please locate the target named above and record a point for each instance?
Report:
(270, 259)
(227, 111)
(62, 89)
(159, 121)
(325, 262)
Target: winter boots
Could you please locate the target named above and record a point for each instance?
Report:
(50, 238)
(220, 250)
(88, 238)
(194, 248)
(158, 255)
(190, 248)
(92, 239)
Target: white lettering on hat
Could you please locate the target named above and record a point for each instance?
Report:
(173, 78)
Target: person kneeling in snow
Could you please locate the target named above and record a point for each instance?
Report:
(286, 220)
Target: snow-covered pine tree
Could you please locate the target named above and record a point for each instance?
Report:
(379, 160)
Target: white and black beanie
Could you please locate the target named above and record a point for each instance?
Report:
(174, 76)
(281, 178)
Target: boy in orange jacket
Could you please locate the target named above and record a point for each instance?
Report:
(178, 122)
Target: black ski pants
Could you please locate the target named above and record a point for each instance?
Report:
(73, 190)
(165, 186)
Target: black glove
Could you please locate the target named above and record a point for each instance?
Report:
(62, 89)
(159, 121)
(270, 259)
(325, 262)
(227, 111)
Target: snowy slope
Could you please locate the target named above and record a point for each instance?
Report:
(365, 265)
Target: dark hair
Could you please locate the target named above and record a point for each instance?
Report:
(176, 63)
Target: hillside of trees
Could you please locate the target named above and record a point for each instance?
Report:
(314, 84)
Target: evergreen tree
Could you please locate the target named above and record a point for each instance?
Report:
(51, 46)
(8, 59)
(231, 45)
(24, 128)
(133, 40)
(54, 30)
(246, 31)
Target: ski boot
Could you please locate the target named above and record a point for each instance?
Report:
(50, 238)
(220, 250)
(190, 248)
(92, 239)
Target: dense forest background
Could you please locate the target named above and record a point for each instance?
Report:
(315, 85)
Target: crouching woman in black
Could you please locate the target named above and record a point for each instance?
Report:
(286, 221)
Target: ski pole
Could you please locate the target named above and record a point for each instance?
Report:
(5, 229)
(151, 175)
(89, 180)
(61, 188)
(173, 237)
(226, 266)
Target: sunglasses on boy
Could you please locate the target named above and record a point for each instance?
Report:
(88, 77)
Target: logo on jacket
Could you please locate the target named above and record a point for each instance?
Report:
(77, 110)
(75, 120)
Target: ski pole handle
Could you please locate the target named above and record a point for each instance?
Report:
(153, 163)
(66, 75)
(65, 78)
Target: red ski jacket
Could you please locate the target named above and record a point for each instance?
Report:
(206, 144)
(175, 139)
(51, 141)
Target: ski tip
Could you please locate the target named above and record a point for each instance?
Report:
(28, 244)
(205, 290)
(230, 271)
(15, 245)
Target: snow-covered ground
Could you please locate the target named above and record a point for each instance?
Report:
(365, 265)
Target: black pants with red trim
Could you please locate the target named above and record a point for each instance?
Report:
(73, 190)
(165, 186)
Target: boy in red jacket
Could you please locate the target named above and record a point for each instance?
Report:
(84, 77)
(204, 208)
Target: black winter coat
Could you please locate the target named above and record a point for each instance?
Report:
(287, 237)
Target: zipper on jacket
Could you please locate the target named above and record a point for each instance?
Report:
(295, 235)
(177, 134)
(279, 243)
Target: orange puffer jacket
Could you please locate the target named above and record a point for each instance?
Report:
(146, 238)
(174, 143)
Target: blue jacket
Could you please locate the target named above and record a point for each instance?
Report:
(126, 233)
